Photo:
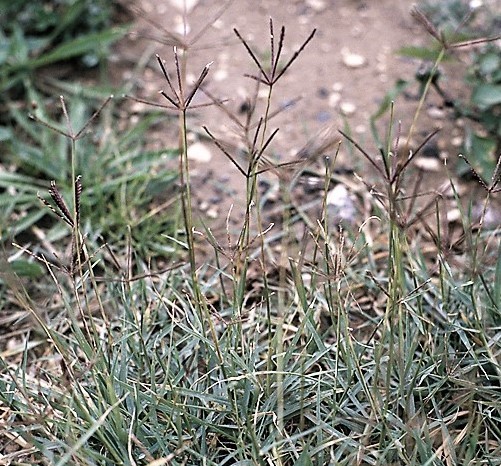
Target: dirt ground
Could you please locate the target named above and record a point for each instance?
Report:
(340, 80)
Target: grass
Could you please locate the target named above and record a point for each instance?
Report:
(374, 345)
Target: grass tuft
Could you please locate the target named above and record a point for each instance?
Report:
(375, 344)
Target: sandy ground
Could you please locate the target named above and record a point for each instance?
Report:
(337, 82)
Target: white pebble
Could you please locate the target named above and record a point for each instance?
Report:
(352, 60)
(347, 108)
(317, 5)
(182, 4)
(199, 152)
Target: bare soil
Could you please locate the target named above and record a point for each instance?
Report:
(334, 90)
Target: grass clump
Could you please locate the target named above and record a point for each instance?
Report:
(374, 345)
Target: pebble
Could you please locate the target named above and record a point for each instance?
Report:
(337, 87)
(317, 5)
(213, 213)
(334, 99)
(453, 215)
(347, 108)
(436, 113)
(220, 75)
(182, 4)
(341, 204)
(428, 164)
(352, 60)
(199, 152)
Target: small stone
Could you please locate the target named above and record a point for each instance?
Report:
(453, 215)
(428, 164)
(182, 4)
(213, 213)
(317, 5)
(334, 99)
(220, 75)
(337, 87)
(352, 60)
(199, 152)
(340, 203)
(347, 108)
(436, 113)
(457, 141)
(12, 344)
